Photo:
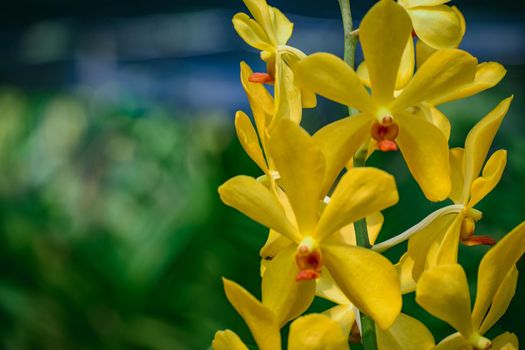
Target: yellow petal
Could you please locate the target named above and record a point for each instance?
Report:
(301, 166)
(261, 102)
(406, 68)
(316, 332)
(249, 141)
(434, 115)
(404, 73)
(414, 3)
(447, 253)
(280, 292)
(346, 235)
(259, 319)
(329, 76)
(439, 26)
(283, 28)
(360, 192)
(288, 103)
(227, 340)
(456, 175)
(441, 73)
(261, 13)
(422, 247)
(251, 32)
(368, 279)
(494, 267)
(488, 75)
(274, 245)
(423, 52)
(339, 141)
(443, 292)
(404, 268)
(501, 300)
(425, 150)
(254, 200)
(406, 333)
(362, 73)
(479, 140)
(505, 341)
(327, 288)
(344, 315)
(383, 34)
(453, 342)
(490, 177)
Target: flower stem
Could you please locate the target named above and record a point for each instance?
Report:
(368, 330)
(389, 243)
(350, 38)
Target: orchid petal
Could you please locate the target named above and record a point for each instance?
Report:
(256, 201)
(339, 141)
(344, 315)
(441, 73)
(494, 267)
(259, 319)
(501, 300)
(415, 3)
(443, 292)
(425, 150)
(288, 103)
(283, 28)
(326, 288)
(488, 75)
(227, 340)
(251, 32)
(439, 26)
(329, 76)
(368, 279)
(423, 246)
(281, 293)
(301, 165)
(383, 34)
(249, 141)
(479, 140)
(456, 175)
(360, 192)
(406, 333)
(455, 341)
(490, 177)
(316, 332)
(505, 341)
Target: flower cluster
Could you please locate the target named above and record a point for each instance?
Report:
(322, 205)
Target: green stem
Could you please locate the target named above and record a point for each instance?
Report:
(368, 328)
(350, 38)
(368, 332)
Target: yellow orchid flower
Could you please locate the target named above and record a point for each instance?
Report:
(488, 75)
(368, 279)
(436, 24)
(438, 243)
(443, 291)
(310, 332)
(269, 31)
(384, 33)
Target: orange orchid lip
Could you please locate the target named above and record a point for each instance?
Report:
(384, 133)
(309, 264)
(261, 78)
(479, 240)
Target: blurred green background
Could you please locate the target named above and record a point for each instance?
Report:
(116, 127)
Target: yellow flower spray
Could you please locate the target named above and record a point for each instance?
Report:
(322, 205)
